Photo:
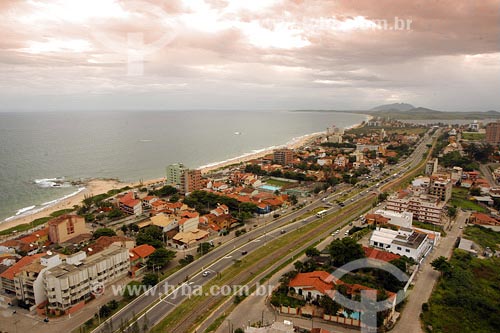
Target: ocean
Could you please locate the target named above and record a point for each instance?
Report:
(41, 152)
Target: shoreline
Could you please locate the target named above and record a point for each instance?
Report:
(97, 186)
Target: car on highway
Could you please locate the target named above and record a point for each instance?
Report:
(206, 273)
(283, 231)
(244, 252)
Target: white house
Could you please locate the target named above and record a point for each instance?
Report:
(405, 242)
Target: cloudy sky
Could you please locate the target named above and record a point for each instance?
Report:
(242, 54)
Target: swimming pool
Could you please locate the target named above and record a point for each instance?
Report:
(269, 188)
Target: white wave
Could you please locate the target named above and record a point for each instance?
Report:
(53, 202)
(52, 182)
(25, 209)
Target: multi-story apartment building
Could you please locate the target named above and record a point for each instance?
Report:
(191, 181)
(431, 166)
(175, 173)
(29, 280)
(493, 133)
(441, 188)
(71, 283)
(65, 227)
(425, 208)
(283, 156)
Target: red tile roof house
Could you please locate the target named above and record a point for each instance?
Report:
(138, 258)
(129, 204)
(147, 201)
(483, 219)
(313, 285)
(373, 253)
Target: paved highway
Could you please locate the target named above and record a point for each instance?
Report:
(223, 256)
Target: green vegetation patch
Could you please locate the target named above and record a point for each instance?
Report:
(466, 299)
(277, 182)
(473, 136)
(483, 236)
(460, 199)
(24, 227)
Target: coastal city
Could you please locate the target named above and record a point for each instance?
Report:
(263, 166)
(423, 198)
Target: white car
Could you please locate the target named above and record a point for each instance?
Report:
(206, 273)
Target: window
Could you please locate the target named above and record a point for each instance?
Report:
(70, 227)
(399, 247)
(407, 250)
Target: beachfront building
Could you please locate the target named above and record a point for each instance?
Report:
(129, 204)
(66, 227)
(404, 242)
(283, 156)
(29, 280)
(190, 181)
(174, 174)
(7, 277)
(70, 284)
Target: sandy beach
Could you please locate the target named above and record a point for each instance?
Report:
(299, 142)
(99, 186)
(93, 187)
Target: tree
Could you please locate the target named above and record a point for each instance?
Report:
(452, 211)
(113, 305)
(152, 235)
(160, 258)
(293, 199)
(188, 259)
(239, 330)
(174, 198)
(203, 248)
(103, 232)
(298, 265)
(475, 191)
(104, 311)
(442, 265)
(114, 213)
(150, 279)
(124, 228)
(312, 252)
(329, 305)
(345, 250)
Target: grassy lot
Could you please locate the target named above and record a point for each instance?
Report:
(460, 199)
(466, 299)
(276, 182)
(483, 236)
(473, 136)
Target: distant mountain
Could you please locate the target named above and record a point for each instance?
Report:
(429, 114)
(394, 107)
(404, 111)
